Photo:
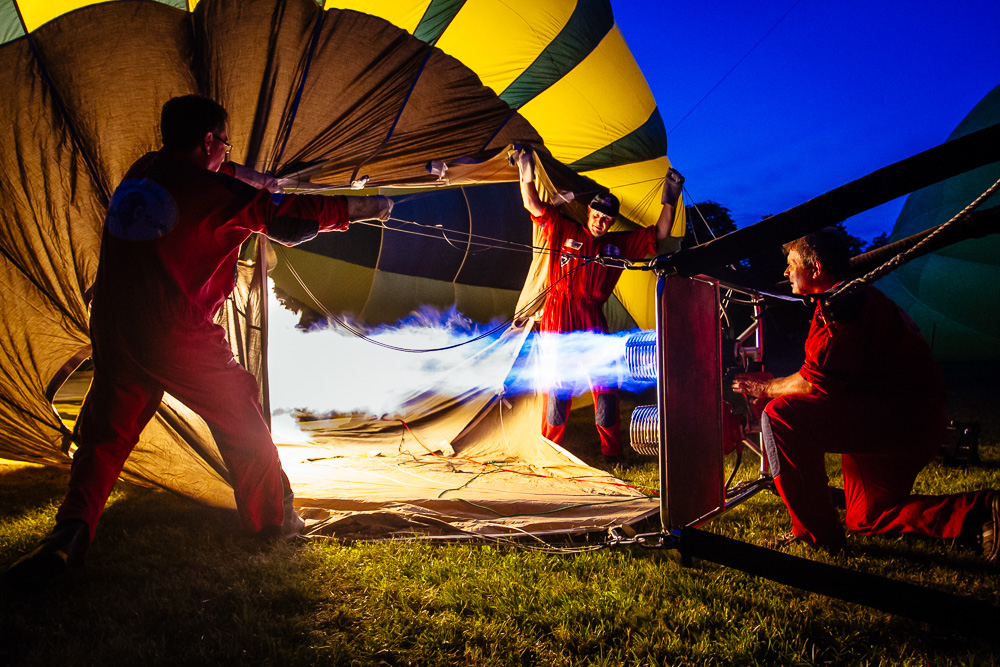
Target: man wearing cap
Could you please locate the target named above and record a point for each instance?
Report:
(579, 286)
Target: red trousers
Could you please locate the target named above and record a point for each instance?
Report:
(884, 443)
(565, 314)
(606, 418)
(204, 376)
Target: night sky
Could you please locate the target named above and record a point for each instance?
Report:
(831, 92)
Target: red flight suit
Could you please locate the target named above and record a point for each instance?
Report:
(579, 289)
(881, 405)
(168, 261)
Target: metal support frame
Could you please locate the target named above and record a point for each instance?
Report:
(661, 403)
(749, 348)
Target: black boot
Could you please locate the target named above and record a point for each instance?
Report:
(60, 550)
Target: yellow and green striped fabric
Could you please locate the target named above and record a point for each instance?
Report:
(326, 92)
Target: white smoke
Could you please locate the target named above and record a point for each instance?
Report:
(576, 361)
(329, 370)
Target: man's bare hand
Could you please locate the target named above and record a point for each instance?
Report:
(752, 384)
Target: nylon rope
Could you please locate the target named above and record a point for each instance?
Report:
(360, 334)
(468, 244)
(500, 244)
(733, 68)
(614, 262)
(486, 242)
(902, 258)
(497, 244)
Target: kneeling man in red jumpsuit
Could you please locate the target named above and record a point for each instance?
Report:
(578, 287)
(870, 391)
(171, 240)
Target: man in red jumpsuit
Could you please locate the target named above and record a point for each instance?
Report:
(579, 286)
(172, 236)
(869, 390)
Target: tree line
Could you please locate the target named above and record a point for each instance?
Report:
(709, 219)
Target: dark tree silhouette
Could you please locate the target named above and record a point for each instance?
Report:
(856, 244)
(879, 241)
(710, 219)
(707, 220)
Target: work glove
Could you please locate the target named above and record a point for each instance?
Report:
(257, 179)
(385, 208)
(525, 165)
(672, 186)
(375, 207)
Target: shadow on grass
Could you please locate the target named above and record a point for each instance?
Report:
(166, 581)
(26, 488)
(924, 553)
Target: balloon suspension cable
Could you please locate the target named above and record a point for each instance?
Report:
(487, 243)
(704, 221)
(648, 199)
(492, 243)
(495, 330)
(902, 258)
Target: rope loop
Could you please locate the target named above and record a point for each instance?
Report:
(902, 258)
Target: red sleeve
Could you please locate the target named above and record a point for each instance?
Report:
(550, 222)
(266, 210)
(641, 243)
(329, 212)
(874, 351)
(550, 216)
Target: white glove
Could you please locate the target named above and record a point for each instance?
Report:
(385, 208)
(257, 179)
(525, 165)
(375, 207)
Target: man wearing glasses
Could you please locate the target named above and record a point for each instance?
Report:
(579, 286)
(172, 236)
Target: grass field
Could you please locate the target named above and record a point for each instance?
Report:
(171, 582)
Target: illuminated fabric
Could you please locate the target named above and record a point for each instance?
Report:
(952, 294)
(319, 93)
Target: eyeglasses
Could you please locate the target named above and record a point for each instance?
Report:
(229, 146)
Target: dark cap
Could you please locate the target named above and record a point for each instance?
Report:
(605, 203)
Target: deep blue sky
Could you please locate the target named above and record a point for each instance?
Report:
(837, 90)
